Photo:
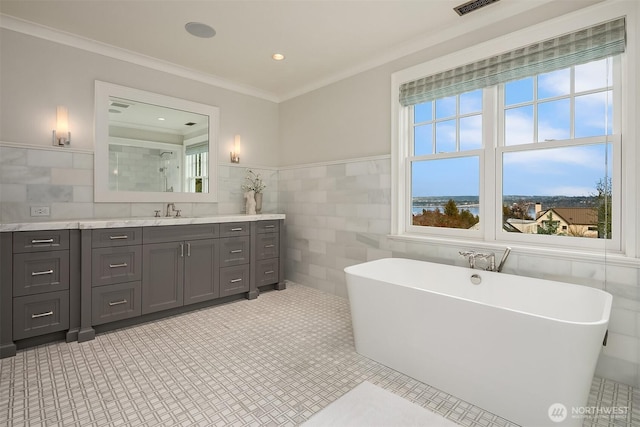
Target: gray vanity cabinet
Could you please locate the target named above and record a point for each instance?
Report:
(39, 286)
(179, 266)
(267, 265)
(116, 271)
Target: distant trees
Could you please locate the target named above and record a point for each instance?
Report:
(603, 201)
(519, 210)
(450, 217)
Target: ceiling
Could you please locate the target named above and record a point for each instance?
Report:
(323, 40)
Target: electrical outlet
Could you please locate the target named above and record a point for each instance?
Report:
(39, 210)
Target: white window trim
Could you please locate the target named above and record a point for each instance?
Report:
(630, 159)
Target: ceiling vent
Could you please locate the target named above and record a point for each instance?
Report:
(472, 5)
(120, 104)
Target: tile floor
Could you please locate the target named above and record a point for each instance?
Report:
(274, 361)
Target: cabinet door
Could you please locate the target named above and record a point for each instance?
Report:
(200, 278)
(162, 276)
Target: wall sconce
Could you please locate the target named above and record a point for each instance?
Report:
(61, 134)
(235, 154)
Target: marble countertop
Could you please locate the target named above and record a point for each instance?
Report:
(133, 222)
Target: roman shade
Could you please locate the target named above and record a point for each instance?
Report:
(579, 47)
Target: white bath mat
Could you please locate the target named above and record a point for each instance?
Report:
(368, 405)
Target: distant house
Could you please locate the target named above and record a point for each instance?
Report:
(581, 222)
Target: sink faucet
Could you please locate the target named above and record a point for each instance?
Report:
(170, 207)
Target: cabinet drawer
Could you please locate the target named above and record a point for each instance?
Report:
(267, 245)
(39, 272)
(267, 272)
(33, 241)
(234, 251)
(234, 280)
(231, 229)
(106, 237)
(115, 302)
(40, 314)
(268, 226)
(116, 265)
(176, 233)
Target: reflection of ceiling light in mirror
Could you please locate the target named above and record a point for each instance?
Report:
(277, 56)
(199, 29)
(161, 119)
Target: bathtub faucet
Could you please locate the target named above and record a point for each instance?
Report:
(470, 256)
(490, 257)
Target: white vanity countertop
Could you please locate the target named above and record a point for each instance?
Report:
(133, 222)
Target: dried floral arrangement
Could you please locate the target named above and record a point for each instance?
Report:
(253, 182)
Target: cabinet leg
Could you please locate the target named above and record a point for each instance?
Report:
(7, 350)
(86, 334)
(280, 286)
(253, 294)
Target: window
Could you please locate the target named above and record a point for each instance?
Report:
(196, 167)
(536, 158)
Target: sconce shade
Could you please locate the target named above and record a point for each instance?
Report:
(61, 134)
(235, 154)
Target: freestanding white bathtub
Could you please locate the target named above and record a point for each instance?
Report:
(511, 345)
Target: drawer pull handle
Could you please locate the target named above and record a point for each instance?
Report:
(124, 236)
(269, 272)
(48, 313)
(236, 251)
(124, 264)
(181, 250)
(188, 249)
(41, 273)
(37, 241)
(269, 226)
(112, 303)
(237, 229)
(269, 246)
(235, 280)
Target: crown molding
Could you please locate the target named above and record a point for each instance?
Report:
(47, 33)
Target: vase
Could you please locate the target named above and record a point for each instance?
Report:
(258, 197)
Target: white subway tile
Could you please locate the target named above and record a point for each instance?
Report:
(51, 159)
(82, 161)
(623, 322)
(13, 193)
(71, 176)
(623, 347)
(13, 156)
(83, 193)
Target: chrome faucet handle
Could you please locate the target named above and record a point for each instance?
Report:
(470, 256)
(178, 213)
(157, 213)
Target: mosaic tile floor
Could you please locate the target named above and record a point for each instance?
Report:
(274, 361)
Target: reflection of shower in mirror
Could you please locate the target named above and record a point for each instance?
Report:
(169, 167)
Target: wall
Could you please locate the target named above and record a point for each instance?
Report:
(37, 75)
(335, 188)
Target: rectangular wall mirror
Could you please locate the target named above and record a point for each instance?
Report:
(153, 148)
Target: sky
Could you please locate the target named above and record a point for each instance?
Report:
(567, 171)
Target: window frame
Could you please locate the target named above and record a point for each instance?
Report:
(624, 166)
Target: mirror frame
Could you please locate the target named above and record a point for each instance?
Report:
(102, 193)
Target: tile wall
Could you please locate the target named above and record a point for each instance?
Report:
(62, 179)
(338, 214)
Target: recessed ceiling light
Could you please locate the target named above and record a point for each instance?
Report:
(199, 29)
(277, 56)
(161, 119)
